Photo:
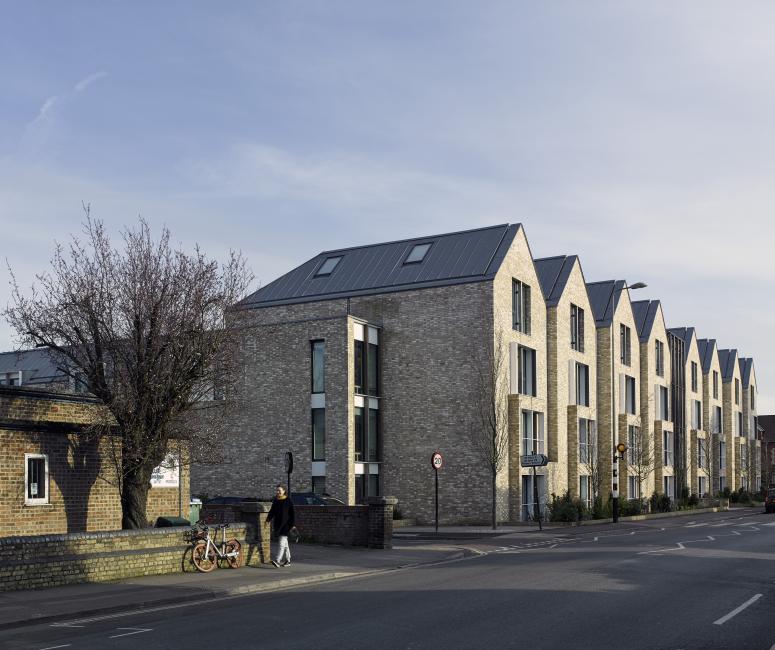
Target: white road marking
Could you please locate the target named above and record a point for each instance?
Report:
(53, 647)
(596, 538)
(554, 546)
(737, 610)
(137, 630)
(693, 525)
(66, 625)
(772, 524)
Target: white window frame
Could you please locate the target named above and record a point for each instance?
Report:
(32, 501)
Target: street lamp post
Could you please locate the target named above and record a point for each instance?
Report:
(614, 427)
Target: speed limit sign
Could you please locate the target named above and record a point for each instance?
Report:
(437, 461)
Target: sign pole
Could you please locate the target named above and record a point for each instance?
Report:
(437, 462)
(536, 506)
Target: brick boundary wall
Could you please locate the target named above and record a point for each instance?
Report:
(43, 561)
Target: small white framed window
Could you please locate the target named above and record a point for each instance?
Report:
(35, 479)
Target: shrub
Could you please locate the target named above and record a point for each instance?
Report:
(566, 508)
(660, 503)
(694, 500)
(629, 507)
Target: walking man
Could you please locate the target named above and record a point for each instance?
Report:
(281, 513)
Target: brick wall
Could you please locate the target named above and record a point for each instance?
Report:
(56, 560)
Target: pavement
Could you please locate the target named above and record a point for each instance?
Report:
(311, 564)
(413, 546)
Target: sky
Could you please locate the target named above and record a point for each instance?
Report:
(636, 135)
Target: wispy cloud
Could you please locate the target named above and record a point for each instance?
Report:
(84, 83)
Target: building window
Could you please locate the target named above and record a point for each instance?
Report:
(669, 483)
(660, 358)
(718, 425)
(528, 496)
(585, 491)
(629, 395)
(318, 434)
(328, 266)
(360, 443)
(318, 349)
(753, 405)
(715, 385)
(319, 484)
(633, 485)
(722, 456)
(360, 367)
(587, 449)
(520, 306)
(740, 431)
(694, 376)
(702, 453)
(625, 355)
(35, 479)
(722, 483)
(576, 328)
(664, 404)
(11, 378)
(417, 254)
(527, 371)
(367, 435)
(667, 448)
(702, 486)
(532, 432)
(582, 384)
(634, 454)
(737, 391)
(366, 360)
(696, 414)
(373, 451)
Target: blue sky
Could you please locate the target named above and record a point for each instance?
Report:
(637, 135)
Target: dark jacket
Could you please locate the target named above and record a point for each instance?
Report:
(282, 515)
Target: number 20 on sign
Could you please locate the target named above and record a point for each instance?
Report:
(437, 461)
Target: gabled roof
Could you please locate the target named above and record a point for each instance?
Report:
(604, 297)
(746, 370)
(553, 274)
(707, 348)
(36, 366)
(686, 334)
(645, 313)
(453, 258)
(728, 360)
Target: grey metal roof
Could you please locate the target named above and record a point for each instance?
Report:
(645, 313)
(453, 258)
(707, 348)
(36, 365)
(687, 334)
(553, 274)
(746, 366)
(728, 360)
(604, 297)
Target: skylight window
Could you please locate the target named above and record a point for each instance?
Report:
(417, 254)
(327, 268)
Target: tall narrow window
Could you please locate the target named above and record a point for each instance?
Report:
(576, 328)
(520, 306)
(318, 434)
(737, 391)
(532, 432)
(374, 441)
(527, 371)
(740, 431)
(35, 479)
(360, 362)
(694, 376)
(702, 453)
(625, 355)
(629, 395)
(660, 358)
(715, 385)
(582, 384)
(722, 456)
(318, 366)
(360, 443)
(717, 425)
(667, 448)
(373, 369)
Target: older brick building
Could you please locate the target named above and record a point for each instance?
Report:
(55, 475)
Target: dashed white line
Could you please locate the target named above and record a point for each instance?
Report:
(53, 647)
(136, 630)
(737, 610)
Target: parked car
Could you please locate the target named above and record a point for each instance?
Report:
(314, 499)
(769, 501)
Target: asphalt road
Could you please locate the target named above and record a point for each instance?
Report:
(702, 582)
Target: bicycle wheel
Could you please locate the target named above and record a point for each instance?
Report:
(233, 546)
(203, 561)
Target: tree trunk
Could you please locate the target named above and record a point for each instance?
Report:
(494, 493)
(134, 498)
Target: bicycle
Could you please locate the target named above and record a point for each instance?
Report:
(205, 553)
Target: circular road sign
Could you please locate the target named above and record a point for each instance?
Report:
(437, 460)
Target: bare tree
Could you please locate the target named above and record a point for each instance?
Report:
(640, 456)
(591, 462)
(490, 401)
(143, 328)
